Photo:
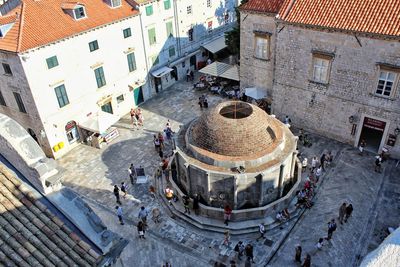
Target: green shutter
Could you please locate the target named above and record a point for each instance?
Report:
(62, 96)
(171, 51)
(100, 79)
(152, 36)
(52, 62)
(167, 4)
(131, 62)
(149, 10)
(170, 29)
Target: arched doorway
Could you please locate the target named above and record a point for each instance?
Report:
(71, 130)
(32, 133)
(193, 62)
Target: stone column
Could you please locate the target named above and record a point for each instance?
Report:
(280, 183)
(235, 187)
(294, 156)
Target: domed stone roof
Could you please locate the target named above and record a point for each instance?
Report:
(236, 129)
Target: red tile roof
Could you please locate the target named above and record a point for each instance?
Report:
(43, 22)
(268, 6)
(369, 16)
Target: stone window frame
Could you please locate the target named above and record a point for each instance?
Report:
(265, 36)
(320, 55)
(387, 68)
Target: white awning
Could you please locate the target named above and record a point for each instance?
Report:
(99, 122)
(215, 45)
(232, 73)
(161, 72)
(220, 69)
(256, 93)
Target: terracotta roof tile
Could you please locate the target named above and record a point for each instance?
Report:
(369, 16)
(42, 22)
(30, 235)
(267, 6)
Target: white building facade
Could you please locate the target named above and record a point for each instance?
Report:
(113, 56)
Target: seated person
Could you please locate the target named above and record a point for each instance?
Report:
(286, 214)
(304, 163)
(280, 217)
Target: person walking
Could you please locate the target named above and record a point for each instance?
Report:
(361, 147)
(141, 229)
(261, 230)
(239, 248)
(378, 163)
(152, 191)
(157, 144)
(249, 252)
(188, 75)
(120, 214)
(323, 161)
(297, 255)
(349, 210)
(116, 194)
(342, 212)
(143, 213)
(196, 206)
(320, 243)
(227, 214)
(318, 173)
(124, 189)
(227, 238)
(331, 228)
(132, 174)
(186, 202)
(156, 215)
(314, 163)
(307, 261)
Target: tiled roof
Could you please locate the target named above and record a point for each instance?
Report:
(10, 41)
(43, 22)
(31, 235)
(268, 6)
(369, 16)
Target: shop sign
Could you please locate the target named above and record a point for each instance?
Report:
(70, 125)
(374, 124)
(391, 140)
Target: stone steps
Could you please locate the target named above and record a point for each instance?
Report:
(235, 228)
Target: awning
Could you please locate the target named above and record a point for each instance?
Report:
(232, 73)
(99, 122)
(215, 45)
(220, 69)
(256, 93)
(161, 72)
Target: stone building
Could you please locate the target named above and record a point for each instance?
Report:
(334, 68)
(235, 154)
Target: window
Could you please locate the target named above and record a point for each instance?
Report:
(321, 67)
(20, 104)
(208, 3)
(149, 10)
(386, 82)
(209, 27)
(79, 12)
(226, 18)
(52, 62)
(190, 34)
(131, 62)
(100, 79)
(261, 47)
(189, 9)
(7, 69)
(115, 3)
(61, 95)
(171, 51)
(120, 99)
(2, 101)
(93, 46)
(170, 29)
(127, 32)
(152, 36)
(167, 4)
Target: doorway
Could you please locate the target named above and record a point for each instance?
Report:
(372, 133)
(138, 95)
(107, 107)
(174, 73)
(158, 84)
(193, 62)
(32, 133)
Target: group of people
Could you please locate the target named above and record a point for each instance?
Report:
(283, 215)
(247, 250)
(203, 102)
(137, 118)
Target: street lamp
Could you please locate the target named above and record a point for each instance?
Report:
(351, 119)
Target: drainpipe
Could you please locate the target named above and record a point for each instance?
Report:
(144, 47)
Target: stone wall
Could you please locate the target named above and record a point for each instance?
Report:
(325, 108)
(256, 72)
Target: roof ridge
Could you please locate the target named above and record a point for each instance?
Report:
(21, 20)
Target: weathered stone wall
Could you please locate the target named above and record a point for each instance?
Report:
(350, 90)
(256, 72)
